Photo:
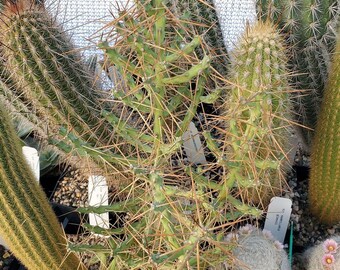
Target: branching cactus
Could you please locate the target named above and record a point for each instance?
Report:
(52, 78)
(323, 256)
(324, 182)
(172, 206)
(310, 27)
(27, 222)
(257, 112)
(202, 20)
(256, 250)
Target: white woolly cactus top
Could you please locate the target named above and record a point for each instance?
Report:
(324, 256)
(256, 250)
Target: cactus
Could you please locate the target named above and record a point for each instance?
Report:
(256, 250)
(27, 222)
(52, 77)
(202, 20)
(257, 112)
(310, 28)
(323, 256)
(324, 182)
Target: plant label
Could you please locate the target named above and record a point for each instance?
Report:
(32, 159)
(192, 145)
(278, 216)
(98, 195)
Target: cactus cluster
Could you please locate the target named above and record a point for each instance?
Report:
(310, 27)
(324, 182)
(257, 112)
(27, 222)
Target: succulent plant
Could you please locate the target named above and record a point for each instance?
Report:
(324, 182)
(257, 114)
(310, 27)
(202, 20)
(52, 77)
(27, 222)
(256, 250)
(323, 256)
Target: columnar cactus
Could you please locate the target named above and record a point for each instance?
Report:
(257, 112)
(323, 256)
(310, 28)
(324, 182)
(51, 75)
(27, 222)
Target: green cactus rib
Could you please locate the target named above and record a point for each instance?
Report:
(310, 27)
(324, 183)
(258, 112)
(52, 77)
(27, 222)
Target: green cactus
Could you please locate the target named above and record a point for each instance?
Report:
(257, 112)
(202, 20)
(310, 28)
(27, 222)
(324, 182)
(52, 77)
(256, 250)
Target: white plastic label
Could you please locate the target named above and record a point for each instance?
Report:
(193, 146)
(278, 216)
(98, 196)
(32, 158)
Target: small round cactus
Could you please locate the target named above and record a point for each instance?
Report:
(324, 256)
(256, 250)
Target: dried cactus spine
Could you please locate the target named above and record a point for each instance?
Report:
(324, 183)
(27, 221)
(258, 110)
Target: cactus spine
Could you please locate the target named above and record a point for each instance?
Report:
(324, 183)
(52, 77)
(258, 111)
(27, 222)
(202, 20)
(310, 27)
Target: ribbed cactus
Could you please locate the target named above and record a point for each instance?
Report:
(27, 222)
(310, 28)
(325, 255)
(52, 78)
(324, 182)
(256, 250)
(257, 112)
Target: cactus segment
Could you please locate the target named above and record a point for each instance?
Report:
(258, 113)
(27, 222)
(324, 183)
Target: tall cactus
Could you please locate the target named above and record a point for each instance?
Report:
(324, 183)
(258, 113)
(310, 28)
(53, 79)
(27, 222)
